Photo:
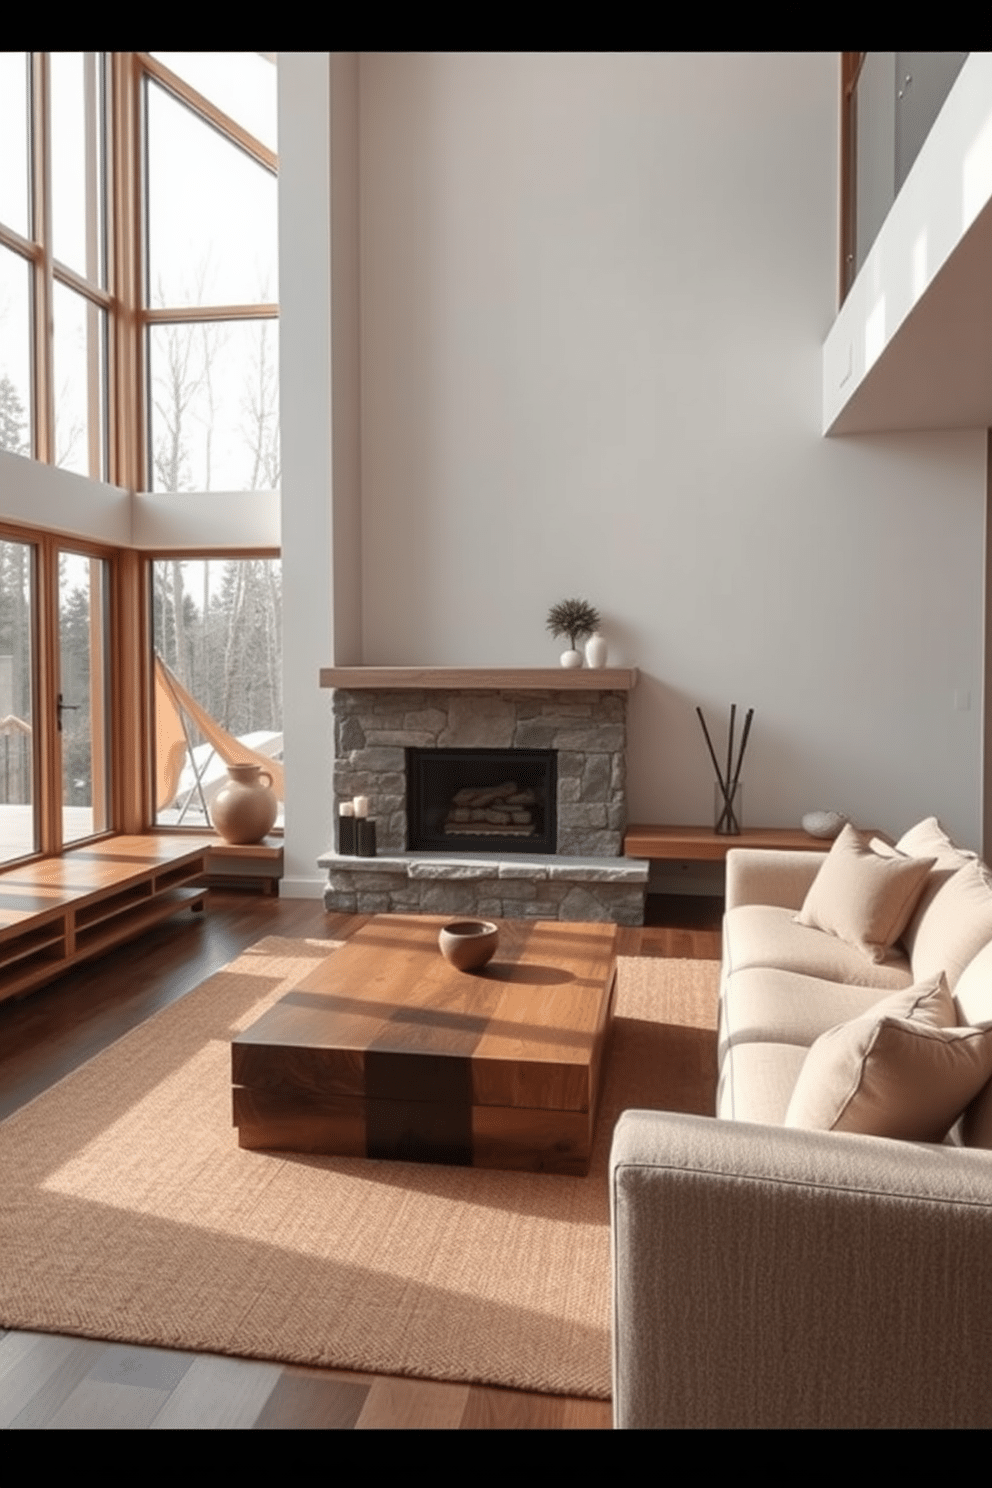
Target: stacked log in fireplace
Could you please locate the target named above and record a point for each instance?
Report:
(493, 810)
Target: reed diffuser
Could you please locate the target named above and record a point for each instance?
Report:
(727, 811)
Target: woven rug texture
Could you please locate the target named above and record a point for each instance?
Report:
(128, 1212)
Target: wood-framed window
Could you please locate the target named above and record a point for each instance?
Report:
(216, 626)
(129, 355)
(57, 304)
(62, 731)
(138, 272)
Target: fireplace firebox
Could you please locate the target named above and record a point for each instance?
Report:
(482, 800)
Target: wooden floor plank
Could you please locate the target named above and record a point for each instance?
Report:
(99, 1405)
(218, 1394)
(38, 1372)
(491, 1409)
(312, 1400)
(402, 1404)
(588, 1415)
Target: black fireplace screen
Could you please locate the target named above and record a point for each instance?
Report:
(481, 800)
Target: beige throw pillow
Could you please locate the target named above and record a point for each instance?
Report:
(861, 896)
(929, 840)
(891, 1075)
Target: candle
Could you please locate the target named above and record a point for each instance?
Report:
(346, 809)
(361, 804)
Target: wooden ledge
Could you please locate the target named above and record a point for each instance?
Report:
(702, 844)
(483, 679)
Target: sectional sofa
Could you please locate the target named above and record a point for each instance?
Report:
(819, 1253)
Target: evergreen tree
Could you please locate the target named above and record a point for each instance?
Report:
(13, 420)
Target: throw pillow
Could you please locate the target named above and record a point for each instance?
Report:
(862, 897)
(925, 1002)
(929, 840)
(890, 1076)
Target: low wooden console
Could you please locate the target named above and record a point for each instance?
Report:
(58, 911)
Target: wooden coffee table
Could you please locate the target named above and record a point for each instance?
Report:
(386, 1051)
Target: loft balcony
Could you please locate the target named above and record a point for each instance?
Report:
(911, 345)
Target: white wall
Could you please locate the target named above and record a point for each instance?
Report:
(594, 290)
(307, 460)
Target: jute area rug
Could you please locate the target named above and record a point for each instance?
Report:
(128, 1211)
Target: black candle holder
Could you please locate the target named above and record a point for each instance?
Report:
(346, 836)
(365, 836)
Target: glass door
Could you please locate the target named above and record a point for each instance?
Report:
(18, 817)
(81, 706)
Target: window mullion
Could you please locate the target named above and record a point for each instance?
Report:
(126, 394)
(41, 217)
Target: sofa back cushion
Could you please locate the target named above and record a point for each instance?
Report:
(973, 992)
(973, 999)
(954, 925)
(862, 897)
(929, 840)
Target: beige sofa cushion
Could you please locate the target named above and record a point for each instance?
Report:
(891, 1076)
(764, 1005)
(766, 935)
(862, 897)
(954, 925)
(757, 1081)
(973, 990)
(973, 997)
(929, 840)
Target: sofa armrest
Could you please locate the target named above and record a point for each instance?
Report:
(770, 876)
(774, 1278)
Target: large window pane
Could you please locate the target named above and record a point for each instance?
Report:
(217, 628)
(83, 635)
(77, 162)
(80, 382)
(15, 354)
(215, 406)
(17, 817)
(14, 176)
(241, 84)
(211, 214)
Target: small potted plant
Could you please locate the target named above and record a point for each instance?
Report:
(575, 618)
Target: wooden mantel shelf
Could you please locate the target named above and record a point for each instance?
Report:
(484, 679)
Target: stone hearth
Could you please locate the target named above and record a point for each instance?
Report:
(586, 724)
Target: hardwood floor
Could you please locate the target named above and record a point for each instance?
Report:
(49, 1381)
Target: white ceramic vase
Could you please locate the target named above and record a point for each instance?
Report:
(596, 651)
(571, 658)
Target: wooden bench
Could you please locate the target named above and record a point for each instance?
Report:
(56, 912)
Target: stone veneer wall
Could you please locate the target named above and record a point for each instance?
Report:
(588, 729)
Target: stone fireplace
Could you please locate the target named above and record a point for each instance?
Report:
(387, 718)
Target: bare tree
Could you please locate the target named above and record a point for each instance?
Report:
(260, 412)
(176, 389)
